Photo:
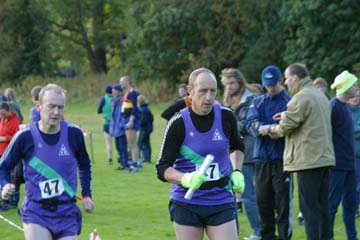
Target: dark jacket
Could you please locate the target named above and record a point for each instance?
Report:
(241, 113)
(261, 113)
(146, 118)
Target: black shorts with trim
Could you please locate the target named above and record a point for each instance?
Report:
(106, 128)
(201, 215)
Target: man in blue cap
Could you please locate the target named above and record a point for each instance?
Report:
(117, 129)
(273, 185)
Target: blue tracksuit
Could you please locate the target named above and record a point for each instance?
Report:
(261, 113)
(273, 185)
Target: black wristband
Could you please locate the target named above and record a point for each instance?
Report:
(237, 170)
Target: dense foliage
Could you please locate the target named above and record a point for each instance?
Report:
(166, 39)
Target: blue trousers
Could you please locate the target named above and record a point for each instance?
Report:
(144, 145)
(357, 169)
(249, 199)
(342, 188)
(121, 147)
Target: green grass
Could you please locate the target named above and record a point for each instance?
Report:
(130, 206)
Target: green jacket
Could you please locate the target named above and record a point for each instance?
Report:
(106, 109)
(306, 125)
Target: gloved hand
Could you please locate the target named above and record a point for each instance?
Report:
(7, 191)
(192, 180)
(238, 181)
(88, 204)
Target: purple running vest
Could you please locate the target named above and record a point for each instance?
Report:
(61, 161)
(212, 142)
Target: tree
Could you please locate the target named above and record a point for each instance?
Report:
(170, 38)
(91, 25)
(23, 46)
(161, 43)
(324, 35)
(223, 28)
(265, 37)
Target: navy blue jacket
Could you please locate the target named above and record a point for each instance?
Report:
(260, 113)
(343, 135)
(146, 118)
(117, 124)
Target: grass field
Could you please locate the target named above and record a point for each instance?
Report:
(131, 206)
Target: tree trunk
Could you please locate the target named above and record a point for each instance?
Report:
(99, 44)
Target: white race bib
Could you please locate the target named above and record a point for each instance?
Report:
(51, 188)
(212, 173)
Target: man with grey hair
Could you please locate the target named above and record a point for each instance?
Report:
(201, 129)
(53, 151)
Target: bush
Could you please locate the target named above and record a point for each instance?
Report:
(91, 86)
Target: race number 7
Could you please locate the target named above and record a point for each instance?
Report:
(212, 172)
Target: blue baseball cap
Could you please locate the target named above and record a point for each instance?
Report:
(117, 87)
(270, 76)
(108, 89)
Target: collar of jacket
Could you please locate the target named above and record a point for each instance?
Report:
(245, 95)
(300, 85)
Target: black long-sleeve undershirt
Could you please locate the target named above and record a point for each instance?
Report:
(175, 135)
(173, 108)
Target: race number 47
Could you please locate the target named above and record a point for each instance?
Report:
(51, 188)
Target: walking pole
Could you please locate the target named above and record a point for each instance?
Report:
(11, 223)
(91, 147)
(86, 133)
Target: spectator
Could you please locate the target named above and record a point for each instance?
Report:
(117, 128)
(257, 88)
(272, 183)
(130, 113)
(18, 173)
(322, 85)
(355, 110)
(306, 125)
(34, 112)
(237, 90)
(146, 127)
(342, 178)
(11, 97)
(182, 90)
(9, 125)
(104, 107)
(181, 102)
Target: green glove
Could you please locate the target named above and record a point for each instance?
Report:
(238, 181)
(192, 180)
